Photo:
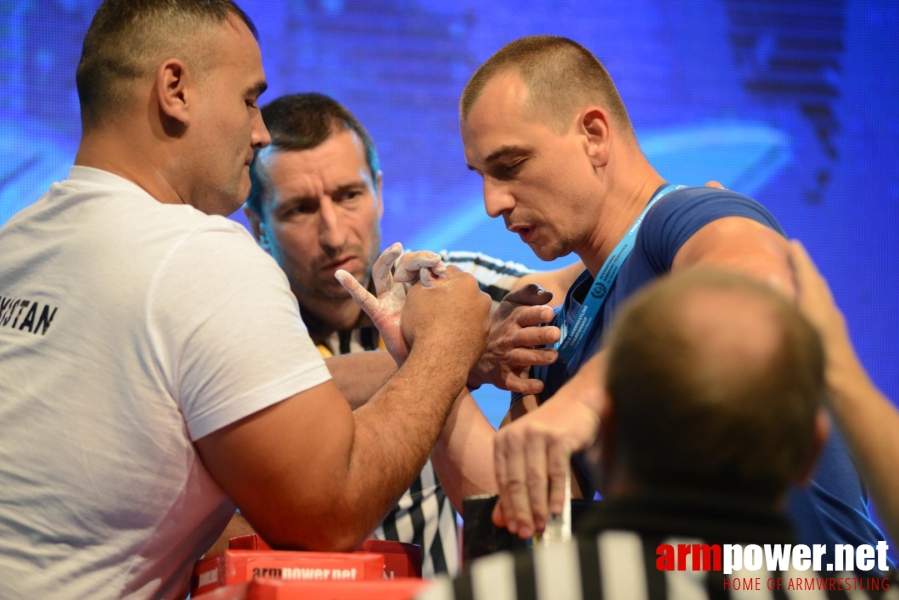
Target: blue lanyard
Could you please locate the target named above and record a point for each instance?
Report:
(572, 340)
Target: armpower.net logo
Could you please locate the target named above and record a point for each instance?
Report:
(782, 566)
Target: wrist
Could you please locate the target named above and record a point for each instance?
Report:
(439, 361)
(475, 379)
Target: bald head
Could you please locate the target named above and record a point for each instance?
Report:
(561, 76)
(715, 382)
(734, 333)
(128, 40)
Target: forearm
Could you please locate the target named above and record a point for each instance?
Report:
(463, 457)
(394, 434)
(869, 423)
(359, 376)
(587, 385)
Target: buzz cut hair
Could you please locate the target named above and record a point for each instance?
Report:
(561, 77)
(303, 122)
(128, 39)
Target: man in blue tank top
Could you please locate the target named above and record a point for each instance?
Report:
(544, 126)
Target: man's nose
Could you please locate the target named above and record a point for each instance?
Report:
(259, 135)
(497, 198)
(332, 231)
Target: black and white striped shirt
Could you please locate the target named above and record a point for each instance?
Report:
(495, 277)
(621, 564)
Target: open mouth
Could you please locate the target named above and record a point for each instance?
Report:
(526, 233)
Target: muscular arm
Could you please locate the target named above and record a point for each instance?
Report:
(743, 245)
(310, 473)
(358, 376)
(868, 420)
(463, 457)
(564, 425)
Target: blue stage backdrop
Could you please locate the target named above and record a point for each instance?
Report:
(792, 102)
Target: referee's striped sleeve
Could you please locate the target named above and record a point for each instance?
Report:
(496, 277)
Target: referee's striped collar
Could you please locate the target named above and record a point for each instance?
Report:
(716, 519)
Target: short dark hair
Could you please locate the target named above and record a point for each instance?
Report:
(692, 418)
(126, 36)
(561, 75)
(301, 122)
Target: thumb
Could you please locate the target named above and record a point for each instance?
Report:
(411, 264)
(382, 271)
(429, 278)
(360, 295)
(498, 516)
(531, 295)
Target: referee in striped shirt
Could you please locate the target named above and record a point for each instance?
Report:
(316, 206)
(714, 384)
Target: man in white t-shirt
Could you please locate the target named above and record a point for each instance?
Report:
(154, 371)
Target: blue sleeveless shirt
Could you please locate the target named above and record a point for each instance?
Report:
(833, 508)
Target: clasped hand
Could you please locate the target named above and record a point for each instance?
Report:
(515, 333)
(394, 274)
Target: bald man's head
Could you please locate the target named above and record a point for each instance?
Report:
(129, 39)
(716, 382)
(562, 78)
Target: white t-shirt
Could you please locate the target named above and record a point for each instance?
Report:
(128, 329)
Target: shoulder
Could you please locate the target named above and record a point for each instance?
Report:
(214, 262)
(679, 215)
(209, 231)
(702, 205)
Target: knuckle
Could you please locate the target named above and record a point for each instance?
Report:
(514, 485)
(535, 476)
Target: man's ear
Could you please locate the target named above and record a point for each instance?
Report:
(822, 433)
(594, 124)
(257, 227)
(173, 84)
(378, 179)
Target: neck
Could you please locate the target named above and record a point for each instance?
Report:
(138, 162)
(324, 318)
(622, 203)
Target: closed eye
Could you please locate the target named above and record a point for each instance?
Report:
(506, 172)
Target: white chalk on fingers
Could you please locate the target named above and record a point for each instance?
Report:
(392, 254)
(360, 295)
(409, 267)
(347, 280)
(428, 278)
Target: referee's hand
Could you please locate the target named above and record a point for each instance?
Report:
(393, 273)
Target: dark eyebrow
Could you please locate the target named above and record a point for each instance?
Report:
(292, 201)
(503, 151)
(360, 184)
(258, 89)
(500, 153)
